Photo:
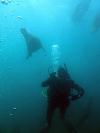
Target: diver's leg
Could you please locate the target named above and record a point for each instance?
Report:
(50, 111)
(49, 115)
(63, 106)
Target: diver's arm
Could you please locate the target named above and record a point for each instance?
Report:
(79, 89)
(80, 92)
(76, 87)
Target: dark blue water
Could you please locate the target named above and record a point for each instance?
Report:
(74, 28)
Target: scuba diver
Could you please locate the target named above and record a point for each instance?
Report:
(60, 88)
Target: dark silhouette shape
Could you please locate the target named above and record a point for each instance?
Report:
(80, 10)
(96, 23)
(59, 87)
(33, 43)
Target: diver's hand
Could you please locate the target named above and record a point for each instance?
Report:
(74, 97)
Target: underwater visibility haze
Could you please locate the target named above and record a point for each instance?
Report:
(36, 36)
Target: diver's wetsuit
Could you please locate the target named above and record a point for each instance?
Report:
(58, 95)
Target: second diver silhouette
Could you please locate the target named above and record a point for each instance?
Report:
(33, 43)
